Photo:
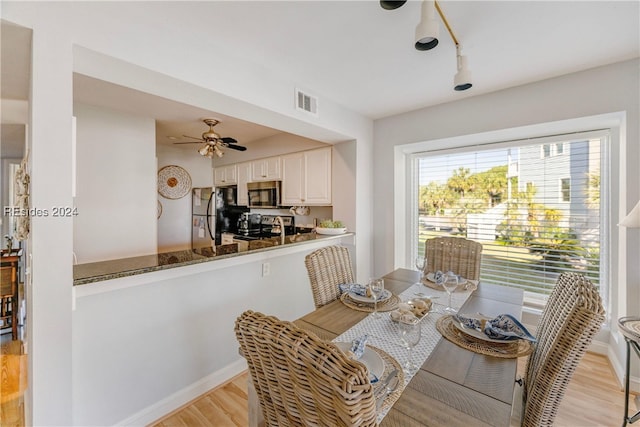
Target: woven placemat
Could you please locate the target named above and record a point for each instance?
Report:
(390, 364)
(507, 350)
(468, 286)
(386, 305)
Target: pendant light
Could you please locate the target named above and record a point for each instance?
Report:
(426, 38)
(462, 79)
(427, 30)
(391, 5)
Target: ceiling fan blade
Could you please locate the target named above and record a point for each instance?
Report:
(189, 142)
(193, 137)
(236, 147)
(228, 140)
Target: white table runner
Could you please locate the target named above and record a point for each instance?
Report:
(382, 331)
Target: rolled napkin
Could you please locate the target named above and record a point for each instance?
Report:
(357, 347)
(355, 288)
(502, 327)
(438, 277)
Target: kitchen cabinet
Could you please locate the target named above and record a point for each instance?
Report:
(306, 178)
(266, 169)
(244, 176)
(225, 175)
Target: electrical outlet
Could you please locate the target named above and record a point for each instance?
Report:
(266, 269)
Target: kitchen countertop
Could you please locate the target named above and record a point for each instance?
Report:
(106, 270)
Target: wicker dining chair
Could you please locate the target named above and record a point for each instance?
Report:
(301, 380)
(457, 254)
(572, 317)
(327, 268)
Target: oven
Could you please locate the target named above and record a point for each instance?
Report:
(264, 194)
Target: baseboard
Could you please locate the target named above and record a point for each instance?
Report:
(158, 410)
(619, 369)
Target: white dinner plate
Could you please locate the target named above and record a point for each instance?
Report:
(477, 334)
(431, 277)
(370, 359)
(386, 294)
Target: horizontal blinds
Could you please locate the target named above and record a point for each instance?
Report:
(535, 207)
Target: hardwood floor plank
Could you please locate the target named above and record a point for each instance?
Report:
(594, 398)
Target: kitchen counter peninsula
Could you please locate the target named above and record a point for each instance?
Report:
(88, 273)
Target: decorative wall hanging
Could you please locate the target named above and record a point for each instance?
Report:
(173, 182)
(22, 181)
(159, 209)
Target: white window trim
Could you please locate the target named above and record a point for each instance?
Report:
(615, 122)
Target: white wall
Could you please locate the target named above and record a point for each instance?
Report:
(174, 225)
(601, 97)
(116, 185)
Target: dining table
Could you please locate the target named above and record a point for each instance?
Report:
(454, 385)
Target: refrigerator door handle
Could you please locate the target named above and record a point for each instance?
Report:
(209, 217)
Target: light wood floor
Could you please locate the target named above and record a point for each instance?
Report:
(593, 398)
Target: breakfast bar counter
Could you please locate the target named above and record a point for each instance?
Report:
(88, 273)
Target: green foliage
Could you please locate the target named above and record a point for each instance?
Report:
(327, 223)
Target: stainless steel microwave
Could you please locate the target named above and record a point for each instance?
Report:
(264, 194)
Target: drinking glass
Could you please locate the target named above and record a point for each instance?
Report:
(450, 283)
(376, 287)
(421, 264)
(409, 337)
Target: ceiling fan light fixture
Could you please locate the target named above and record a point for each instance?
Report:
(427, 30)
(391, 4)
(204, 151)
(462, 79)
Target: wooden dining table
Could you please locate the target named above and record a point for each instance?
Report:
(454, 386)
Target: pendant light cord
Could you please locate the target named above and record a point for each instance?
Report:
(446, 24)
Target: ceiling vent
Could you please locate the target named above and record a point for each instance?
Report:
(306, 102)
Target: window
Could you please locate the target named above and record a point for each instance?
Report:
(529, 232)
(565, 190)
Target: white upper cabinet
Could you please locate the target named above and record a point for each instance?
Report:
(244, 176)
(225, 175)
(306, 178)
(266, 169)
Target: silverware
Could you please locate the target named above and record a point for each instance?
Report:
(383, 383)
(390, 388)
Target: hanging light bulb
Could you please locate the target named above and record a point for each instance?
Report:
(204, 150)
(462, 79)
(427, 30)
(218, 152)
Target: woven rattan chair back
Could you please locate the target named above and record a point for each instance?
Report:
(327, 268)
(572, 317)
(300, 379)
(462, 256)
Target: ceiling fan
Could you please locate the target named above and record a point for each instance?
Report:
(213, 141)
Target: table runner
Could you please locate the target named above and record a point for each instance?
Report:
(383, 335)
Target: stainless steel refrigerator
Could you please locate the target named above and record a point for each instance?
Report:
(202, 218)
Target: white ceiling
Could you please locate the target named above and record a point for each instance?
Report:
(362, 57)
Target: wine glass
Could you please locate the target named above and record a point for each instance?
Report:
(409, 337)
(450, 283)
(376, 287)
(421, 264)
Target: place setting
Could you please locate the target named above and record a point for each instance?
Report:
(385, 373)
(371, 298)
(501, 336)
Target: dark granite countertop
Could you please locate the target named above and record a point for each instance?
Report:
(105, 270)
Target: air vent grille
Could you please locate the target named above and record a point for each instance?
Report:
(306, 102)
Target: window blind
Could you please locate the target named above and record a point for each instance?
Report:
(534, 205)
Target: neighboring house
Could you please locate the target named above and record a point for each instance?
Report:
(558, 174)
